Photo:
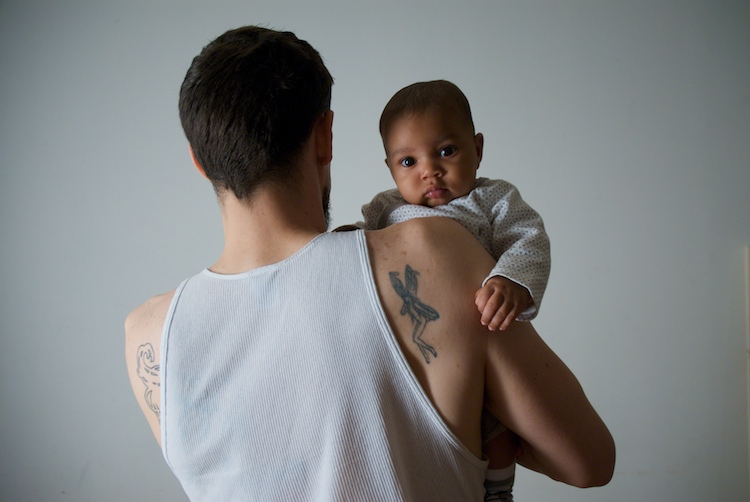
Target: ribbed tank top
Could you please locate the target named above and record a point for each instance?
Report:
(287, 383)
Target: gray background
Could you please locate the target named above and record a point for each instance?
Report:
(626, 124)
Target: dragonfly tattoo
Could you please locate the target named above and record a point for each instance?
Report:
(419, 313)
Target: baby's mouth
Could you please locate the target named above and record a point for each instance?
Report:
(436, 193)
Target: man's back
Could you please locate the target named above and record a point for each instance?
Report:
(312, 350)
(287, 382)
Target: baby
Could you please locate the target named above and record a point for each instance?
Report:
(433, 154)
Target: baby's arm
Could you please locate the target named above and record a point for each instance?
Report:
(519, 243)
(500, 301)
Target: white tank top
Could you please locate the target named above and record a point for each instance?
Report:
(287, 383)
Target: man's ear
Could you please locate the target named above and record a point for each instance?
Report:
(324, 138)
(197, 164)
(479, 145)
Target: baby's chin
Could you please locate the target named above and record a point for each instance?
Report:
(441, 201)
(436, 202)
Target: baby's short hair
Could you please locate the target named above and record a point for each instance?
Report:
(421, 97)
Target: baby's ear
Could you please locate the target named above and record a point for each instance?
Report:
(479, 145)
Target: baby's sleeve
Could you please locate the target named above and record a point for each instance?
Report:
(520, 244)
(376, 212)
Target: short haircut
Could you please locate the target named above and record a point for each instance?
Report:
(248, 104)
(424, 96)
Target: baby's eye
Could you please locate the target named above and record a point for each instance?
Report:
(408, 161)
(447, 151)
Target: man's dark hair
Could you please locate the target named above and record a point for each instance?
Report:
(421, 97)
(249, 102)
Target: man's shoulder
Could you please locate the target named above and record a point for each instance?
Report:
(417, 232)
(144, 324)
(433, 241)
(413, 225)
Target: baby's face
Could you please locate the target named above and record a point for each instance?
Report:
(433, 157)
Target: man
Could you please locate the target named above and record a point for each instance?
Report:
(332, 366)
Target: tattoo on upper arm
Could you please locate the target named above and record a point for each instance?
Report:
(419, 313)
(148, 372)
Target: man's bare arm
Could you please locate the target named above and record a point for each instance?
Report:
(143, 329)
(535, 394)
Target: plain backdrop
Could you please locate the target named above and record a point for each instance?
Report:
(625, 124)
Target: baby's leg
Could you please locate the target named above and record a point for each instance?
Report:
(499, 445)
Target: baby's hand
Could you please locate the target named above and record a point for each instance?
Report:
(500, 301)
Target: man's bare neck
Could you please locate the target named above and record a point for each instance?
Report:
(266, 230)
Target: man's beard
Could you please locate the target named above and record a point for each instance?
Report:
(327, 207)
